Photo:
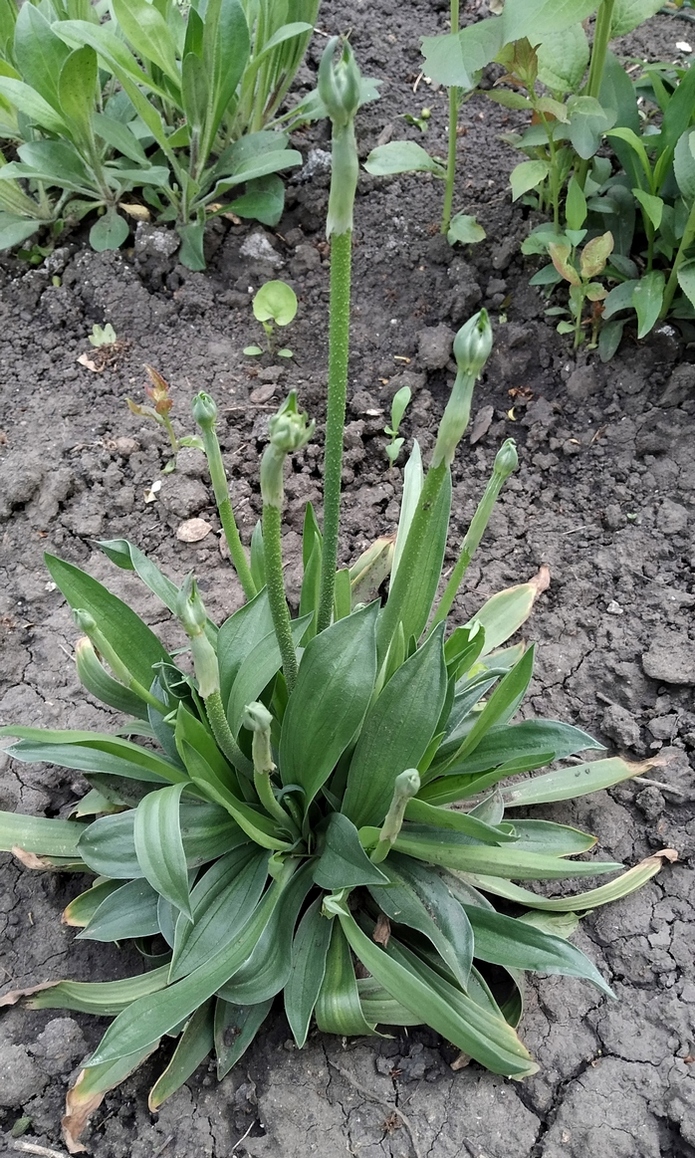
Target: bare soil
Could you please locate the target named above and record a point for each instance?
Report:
(605, 495)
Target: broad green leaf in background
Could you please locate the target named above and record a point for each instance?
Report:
(629, 14)
(148, 32)
(563, 58)
(77, 90)
(402, 157)
(109, 231)
(396, 732)
(527, 175)
(647, 298)
(235, 1028)
(130, 911)
(344, 864)
(465, 230)
(335, 684)
(684, 165)
(192, 1048)
(686, 279)
(159, 845)
(39, 53)
(338, 1008)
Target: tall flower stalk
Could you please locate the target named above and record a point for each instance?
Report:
(339, 89)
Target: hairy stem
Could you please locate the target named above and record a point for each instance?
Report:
(599, 50)
(217, 717)
(275, 585)
(454, 102)
(220, 488)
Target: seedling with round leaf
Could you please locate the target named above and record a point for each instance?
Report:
(273, 822)
(275, 304)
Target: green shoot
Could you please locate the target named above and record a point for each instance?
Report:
(275, 304)
(399, 405)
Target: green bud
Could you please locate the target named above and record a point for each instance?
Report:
(204, 411)
(190, 608)
(205, 665)
(256, 717)
(289, 430)
(405, 787)
(339, 82)
(84, 620)
(506, 460)
(473, 343)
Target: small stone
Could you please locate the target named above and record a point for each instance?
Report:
(318, 163)
(613, 517)
(262, 394)
(61, 1045)
(184, 496)
(582, 383)
(123, 446)
(663, 727)
(614, 608)
(20, 1076)
(650, 802)
(670, 659)
(672, 518)
(680, 386)
(193, 531)
(621, 726)
(434, 346)
(153, 241)
(258, 248)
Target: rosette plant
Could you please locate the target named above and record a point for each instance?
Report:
(275, 820)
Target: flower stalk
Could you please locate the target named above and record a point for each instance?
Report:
(339, 89)
(258, 720)
(88, 624)
(205, 415)
(406, 786)
(289, 431)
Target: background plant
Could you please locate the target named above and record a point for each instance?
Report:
(274, 304)
(173, 106)
(399, 404)
(277, 797)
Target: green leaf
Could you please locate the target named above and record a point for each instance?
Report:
(238, 636)
(615, 890)
(39, 54)
(256, 671)
(329, 702)
(131, 639)
(629, 14)
(193, 1047)
(338, 1009)
(275, 301)
(500, 706)
(123, 140)
(159, 846)
(94, 677)
(149, 34)
(77, 90)
(343, 863)
(647, 298)
(31, 104)
(401, 157)
(465, 230)
(412, 488)
(54, 838)
(226, 48)
(109, 231)
(684, 165)
(420, 812)
(222, 901)
(396, 732)
(309, 952)
(194, 88)
(568, 783)
(527, 175)
(129, 911)
(530, 740)
(90, 752)
(264, 200)
(630, 137)
(686, 279)
(191, 733)
(457, 851)
(268, 967)
(458, 1018)
(80, 911)
(89, 1089)
(104, 998)
(240, 1023)
(575, 205)
(504, 613)
(14, 230)
(653, 206)
(548, 837)
(588, 121)
(515, 944)
(419, 898)
(563, 58)
(146, 1020)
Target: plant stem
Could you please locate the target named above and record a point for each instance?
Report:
(338, 349)
(454, 102)
(470, 545)
(220, 488)
(217, 718)
(275, 585)
(599, 49)
(672, 283)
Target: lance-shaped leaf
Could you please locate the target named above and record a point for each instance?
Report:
(145, 1021)
(130, 558)
(344, 864)
(536, 739)
(418, 898)
(259, 666)
(193, 1047)
(515, 944)
(88, 1093)
(222, 901)
(396, 732)
(333, 690)
(457, 851)
(546, 836)
(499, 708)
(159, 845)
(238, 636)
(268, 967)
(130, 911)
(568, 783)
(235, 1028)
(104, 998)
(56, 838)
(420, 812)
(93, 752)
(131, 639)
(458, 1018)
(80, 911)
(338, 1008)
(148, 32)
(309, 951)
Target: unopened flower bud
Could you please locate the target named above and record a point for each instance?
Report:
(473, 343)
(204, 411)
(256, 717)
(84, 620)
(190, 608)
(506, 459)
(405, 787)
(339, 81)
(289, 430)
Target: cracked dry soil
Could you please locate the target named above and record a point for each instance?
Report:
(605, 495)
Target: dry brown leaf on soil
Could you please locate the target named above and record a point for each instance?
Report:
(137, 212)
(193, 531)
(16, 995)
(382, 931)
(482, 423)
(30, 860)
(541, 580)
